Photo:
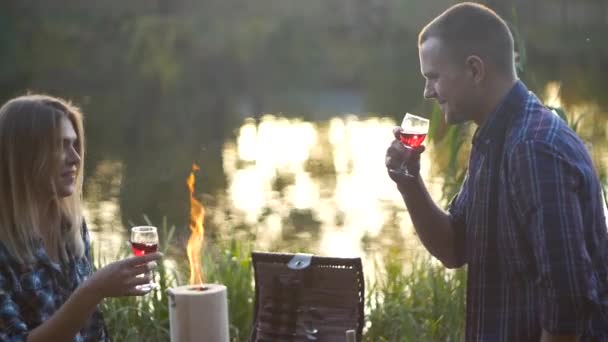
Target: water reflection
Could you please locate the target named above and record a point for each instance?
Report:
(318, 188)
(300, 186)
(102, 208)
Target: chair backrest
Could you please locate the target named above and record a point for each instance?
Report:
(307, 298)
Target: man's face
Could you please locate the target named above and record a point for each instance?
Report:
(446, 81)
(65, 179)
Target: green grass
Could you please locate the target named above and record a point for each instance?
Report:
(140, 318)
(146, 318)
(424, 302)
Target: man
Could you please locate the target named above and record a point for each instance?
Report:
(48, 291)
(528, 219)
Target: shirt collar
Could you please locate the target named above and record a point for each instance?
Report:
(508, 107)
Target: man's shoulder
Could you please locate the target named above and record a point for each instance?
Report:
(540, 130)
(540, 124)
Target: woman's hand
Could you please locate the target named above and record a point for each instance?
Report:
(120, 278)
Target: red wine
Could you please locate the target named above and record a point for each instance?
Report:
(140, 249)
(412, 139)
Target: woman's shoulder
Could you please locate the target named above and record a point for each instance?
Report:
(5, 256)
(9, 267)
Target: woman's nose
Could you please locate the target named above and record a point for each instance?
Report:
(73, 157)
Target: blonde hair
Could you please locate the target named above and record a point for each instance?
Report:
(30, 150)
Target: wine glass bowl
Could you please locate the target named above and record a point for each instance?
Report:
(144, 240)
(413, 132)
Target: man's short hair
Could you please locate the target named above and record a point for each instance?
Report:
(472, 29)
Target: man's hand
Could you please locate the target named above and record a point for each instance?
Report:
(399, 156)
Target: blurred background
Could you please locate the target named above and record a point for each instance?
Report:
(286, 105)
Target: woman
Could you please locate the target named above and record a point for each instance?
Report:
(48, 291)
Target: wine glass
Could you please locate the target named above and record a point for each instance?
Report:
(144, 240)
(413, 132)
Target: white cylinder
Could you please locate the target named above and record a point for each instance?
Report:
(198, 313)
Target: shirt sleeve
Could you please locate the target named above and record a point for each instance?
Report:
(12, 326)
(545, 187)
(457, 212)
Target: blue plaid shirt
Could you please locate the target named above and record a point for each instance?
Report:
(30, 294)
(541, 261)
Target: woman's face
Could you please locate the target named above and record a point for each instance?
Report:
(65, 179)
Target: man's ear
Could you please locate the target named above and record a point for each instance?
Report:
(476, 67)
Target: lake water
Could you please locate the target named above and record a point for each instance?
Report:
(292, 185)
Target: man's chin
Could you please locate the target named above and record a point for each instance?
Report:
(452, 119)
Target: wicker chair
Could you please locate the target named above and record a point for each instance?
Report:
(302, 297)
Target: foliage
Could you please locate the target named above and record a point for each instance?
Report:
(147, 318)
(229, 263)
(140, 318)
(449, 150)
(424, 303)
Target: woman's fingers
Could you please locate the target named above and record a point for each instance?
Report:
(139, 291)
(138, 281)
(138, 260)
(141, 269)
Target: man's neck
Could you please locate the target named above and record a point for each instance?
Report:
(494, 95)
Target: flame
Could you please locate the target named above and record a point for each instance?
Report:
(197, 230)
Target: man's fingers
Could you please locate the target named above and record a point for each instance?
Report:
(420, 149)
(415, 153)
(397, 131)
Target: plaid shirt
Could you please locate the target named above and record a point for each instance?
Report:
(30, 294)
(539, 260)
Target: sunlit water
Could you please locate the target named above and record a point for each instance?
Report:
(316, 187)
(302, 187)
(334, 178)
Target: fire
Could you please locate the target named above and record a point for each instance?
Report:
(197, 230)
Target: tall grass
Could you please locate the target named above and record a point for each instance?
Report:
(146, 318)
(140, 318)
(229, 263)
(425, 302)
